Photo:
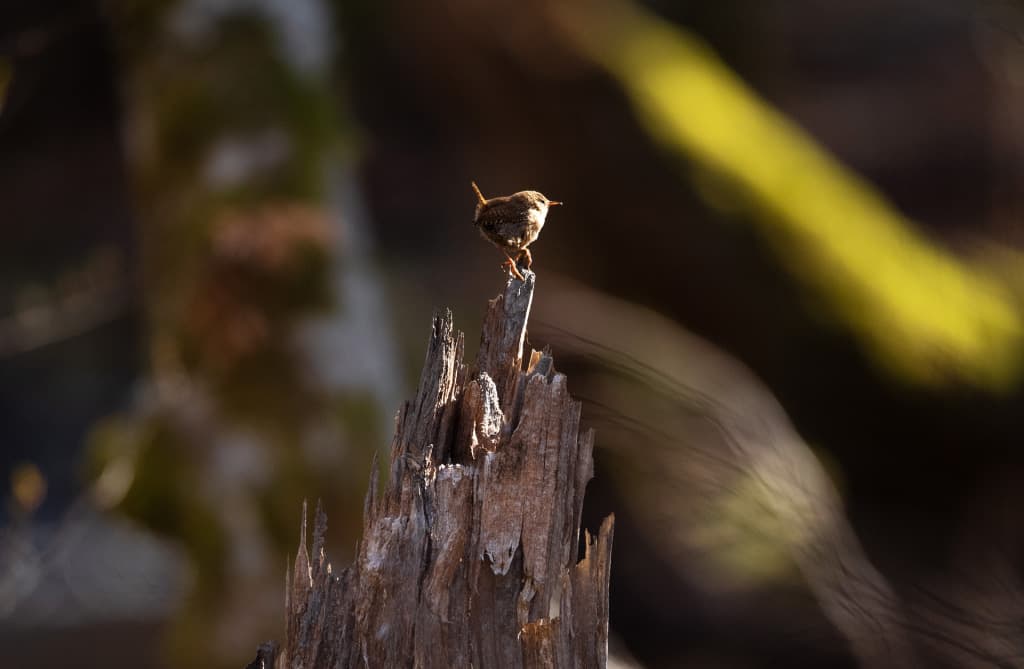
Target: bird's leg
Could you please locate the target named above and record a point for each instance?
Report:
(512, 268)
(529, 258)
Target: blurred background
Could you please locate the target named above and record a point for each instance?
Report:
(787, 284)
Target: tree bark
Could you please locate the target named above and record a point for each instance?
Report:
(469, 554)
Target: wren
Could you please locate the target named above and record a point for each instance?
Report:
(512, 223)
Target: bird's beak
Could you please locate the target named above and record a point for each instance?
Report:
(552, 203)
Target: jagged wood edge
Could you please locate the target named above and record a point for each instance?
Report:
(458, 511)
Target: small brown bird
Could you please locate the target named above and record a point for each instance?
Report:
(512, 223)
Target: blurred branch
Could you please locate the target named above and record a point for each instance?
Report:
(921, 311)
(726, 487)
(74, 302)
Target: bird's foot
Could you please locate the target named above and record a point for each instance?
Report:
(525, 253)
(513, 269)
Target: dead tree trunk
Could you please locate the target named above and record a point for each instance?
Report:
(469, 554)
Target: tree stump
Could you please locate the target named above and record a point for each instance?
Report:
(469, 554)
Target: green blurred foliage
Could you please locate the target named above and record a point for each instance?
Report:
(232, 433)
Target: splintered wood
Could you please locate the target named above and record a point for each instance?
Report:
(469, 554)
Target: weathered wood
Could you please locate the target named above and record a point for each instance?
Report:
(469, 554)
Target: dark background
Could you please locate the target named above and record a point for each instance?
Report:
(226, 226)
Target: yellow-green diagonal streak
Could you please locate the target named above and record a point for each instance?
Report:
(922, 312)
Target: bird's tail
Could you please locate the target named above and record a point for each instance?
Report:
(479, 195)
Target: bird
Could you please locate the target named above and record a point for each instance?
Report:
(512, 223)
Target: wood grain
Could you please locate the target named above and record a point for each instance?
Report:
(469, 553)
